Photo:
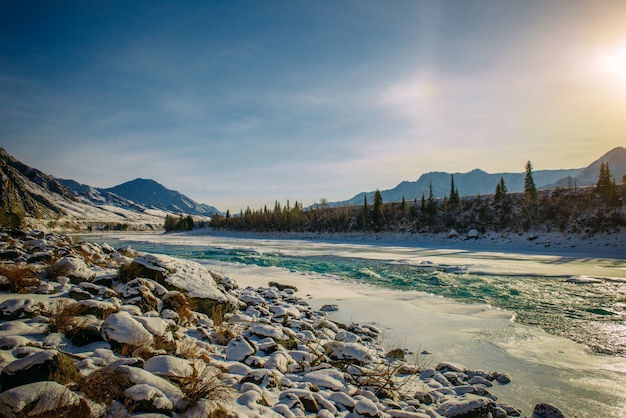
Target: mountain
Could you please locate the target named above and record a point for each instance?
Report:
(151, 194)
(30, 198)
(28, 192)
(480, 182)
(98, 197)
(616, 158)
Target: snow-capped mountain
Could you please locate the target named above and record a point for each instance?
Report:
(151, 194)
(478, 181)
(29, 196)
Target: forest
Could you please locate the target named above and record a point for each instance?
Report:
(599, 208)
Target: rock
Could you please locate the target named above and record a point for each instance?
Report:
(366, 408)
(122, 328)
(329, 308)
(10, 255)
(282, 286)
(544, 410)
(503, 378)
(466, 406)
(145, 398)
(12, 309)
(44, 365)
(472, 234)
(77, 293)
(238, 349)
(73, 268)
(451, 367)
(42, 399)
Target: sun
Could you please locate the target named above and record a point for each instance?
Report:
(615, 63)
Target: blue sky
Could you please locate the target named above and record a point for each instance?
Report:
(241, 103)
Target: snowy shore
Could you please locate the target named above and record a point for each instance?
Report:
(604, 245)
(154, 328)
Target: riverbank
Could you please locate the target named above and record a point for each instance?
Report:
(96, 331)
(479, 335)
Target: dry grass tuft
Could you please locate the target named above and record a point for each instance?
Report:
(223, 330)
(56, 270)
(182, 305)
(21, 278)
(205, 383)
(190, 349)
(105, 385)
(62, 317)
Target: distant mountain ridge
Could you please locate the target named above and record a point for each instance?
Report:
(139, 195)
(152, 194)
(478, 181)
(31, 196)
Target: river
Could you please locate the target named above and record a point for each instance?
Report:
(557, 325)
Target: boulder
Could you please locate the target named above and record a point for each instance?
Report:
(12, 309)
(238, 349)
(44, 365)
(73, 268)
(42, 399)
(544, 410)
(122, 328)
(467, 406)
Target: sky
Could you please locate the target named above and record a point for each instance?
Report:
(243, 103)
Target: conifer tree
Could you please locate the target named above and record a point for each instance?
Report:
(501, 191)
(364, 215)
(454, 193)
(431, 205)
(530, 190)
(378, 214)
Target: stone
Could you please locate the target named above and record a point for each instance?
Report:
(44, 365)
(544, 410)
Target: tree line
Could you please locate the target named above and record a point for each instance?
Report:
(589, 209)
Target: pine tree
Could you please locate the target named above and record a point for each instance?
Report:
(365, 213)
(501, 192)
(454, 193)
(378, 215)
(530, 190)
(431, 205)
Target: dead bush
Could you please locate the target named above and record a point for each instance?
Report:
(205, 383)
(20, 278)
(105, 385)
(182, 305)
(190, 348)
(62, 318)
(56, 270)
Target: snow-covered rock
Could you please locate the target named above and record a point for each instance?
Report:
(122, 328)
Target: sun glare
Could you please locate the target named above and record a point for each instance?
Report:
(615, 63)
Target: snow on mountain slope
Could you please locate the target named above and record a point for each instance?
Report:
(32, 198)
(149, 193)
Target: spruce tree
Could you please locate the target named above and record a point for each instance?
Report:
(530, 190)
(378, 215)
(501, 191)
(431, 205)
(454, 193)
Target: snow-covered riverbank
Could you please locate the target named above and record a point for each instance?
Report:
(83, 339)
(479, 335)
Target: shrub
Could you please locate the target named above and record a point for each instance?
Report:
(20, 278)
(205, 383)
(105, 385)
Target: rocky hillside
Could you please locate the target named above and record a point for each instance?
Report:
(30, 197)
(27, 192)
